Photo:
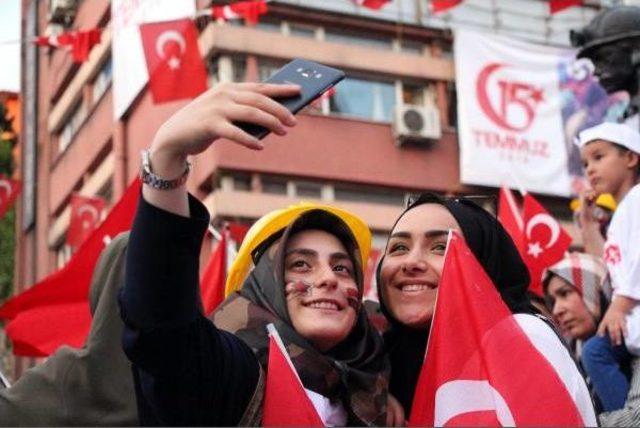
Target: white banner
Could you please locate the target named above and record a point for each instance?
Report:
(520, 106)
(129, 67)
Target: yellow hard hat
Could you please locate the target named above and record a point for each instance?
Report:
(276, 221)
(605, 200)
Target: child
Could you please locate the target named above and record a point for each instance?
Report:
(610, 155)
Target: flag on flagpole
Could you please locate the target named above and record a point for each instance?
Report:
(85, 217)
(9, 190)
(175, 66)
(214, 276)
(286, 402)
(439, 6)
(485, 366)
(65, 291)
(372, 4)
(250, 11)
(556, 6)
(510, 216)
(80, 42)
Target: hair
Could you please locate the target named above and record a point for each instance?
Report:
(622, 150)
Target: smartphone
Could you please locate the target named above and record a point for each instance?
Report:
(313, 78)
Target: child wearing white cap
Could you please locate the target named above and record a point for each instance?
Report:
(610, 154)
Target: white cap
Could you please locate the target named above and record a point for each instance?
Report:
(617, 133)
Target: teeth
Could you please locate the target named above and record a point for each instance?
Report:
(415, 287)
(323, 305)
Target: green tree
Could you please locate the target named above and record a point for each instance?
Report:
(7, 223)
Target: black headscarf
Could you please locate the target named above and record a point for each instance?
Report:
(498, 255)
(355, 371)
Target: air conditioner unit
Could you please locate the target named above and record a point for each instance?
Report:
(418, 125)
(62, 11)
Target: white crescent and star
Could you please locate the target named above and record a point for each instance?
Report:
(166, 37)
(535, 248)
(93, 213)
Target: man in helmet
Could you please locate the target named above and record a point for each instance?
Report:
(612, 42)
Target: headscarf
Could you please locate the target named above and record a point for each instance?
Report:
(588, 275)
(498, 255)
(91, 386)
(355, 371)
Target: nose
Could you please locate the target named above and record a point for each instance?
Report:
(414, 263)
(558, 308)
(327, 278)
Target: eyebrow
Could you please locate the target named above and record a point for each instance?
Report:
(312, 253)
(435, 233)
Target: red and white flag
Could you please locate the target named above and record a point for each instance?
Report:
(372, 4)
(58, 304)
(545, 241)
(370, 287)
(250, 11)
(556, 6)
(439, 6)
(9, 190)
(85, 218)
(286, 402)
(324, 97)
(175, 66)
(485, 366)
(510, 216)
(80, 42)
(212, 281)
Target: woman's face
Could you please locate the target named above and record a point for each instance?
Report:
(413, 261)
(569, 309)
(325, 313)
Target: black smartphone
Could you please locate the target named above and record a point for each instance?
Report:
(314, 79)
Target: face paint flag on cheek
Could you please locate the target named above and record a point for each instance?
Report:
(491, 367)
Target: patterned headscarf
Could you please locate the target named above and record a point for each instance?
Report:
(588, 275)
(355, 371)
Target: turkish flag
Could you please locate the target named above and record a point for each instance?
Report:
(559, 5)
(286, 402)
(9, 190)
(545, 241)
(249, 10)
(237, 231)
(212, 282)
(35, 313)
(175, 66)
(85, 217)
(438, 6)
(80, 42)
(510, 216)
(372, 4)
(485, 366)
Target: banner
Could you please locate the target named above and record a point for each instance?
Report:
(129, 68)
(520, 106)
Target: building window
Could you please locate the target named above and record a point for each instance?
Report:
(71, 127)
(301, 30)
(102, 81)
(308, 190)
(367, 99)
(63, 255)
(369, 195)
(267, 68)
(412, 94)
(411, 46)
(274, 185)
(352, 38)
(242, 182)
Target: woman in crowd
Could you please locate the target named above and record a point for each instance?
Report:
(409, 275)
(307, 281)
(577, 290)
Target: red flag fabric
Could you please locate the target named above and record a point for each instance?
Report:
(286, 403)
(485, 366)
(545, 241)
(9, 190)
(68, 286)
(213, 278)
(439, 6)
(80, 42)
(510, 216)
(85, 217)
(237, 231)
(249, 10)
(175, 66)
(372, 4)
(370, 289)
(559, 5)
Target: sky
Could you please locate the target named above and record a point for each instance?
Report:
(9, 45)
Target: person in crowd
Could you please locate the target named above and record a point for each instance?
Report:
(409, 274)
(610, 154)
(307, 280)
(91, 386)
(592, 236)
(578, 291)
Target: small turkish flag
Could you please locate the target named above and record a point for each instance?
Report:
(213, 278)
(556, 6)
(9, 190)
(80, 42)
(286, 403)
(485, 366)
(85, 218)
(439, 6)
(249, 10)
(545, 241)
(372, 4)
(176, 69)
